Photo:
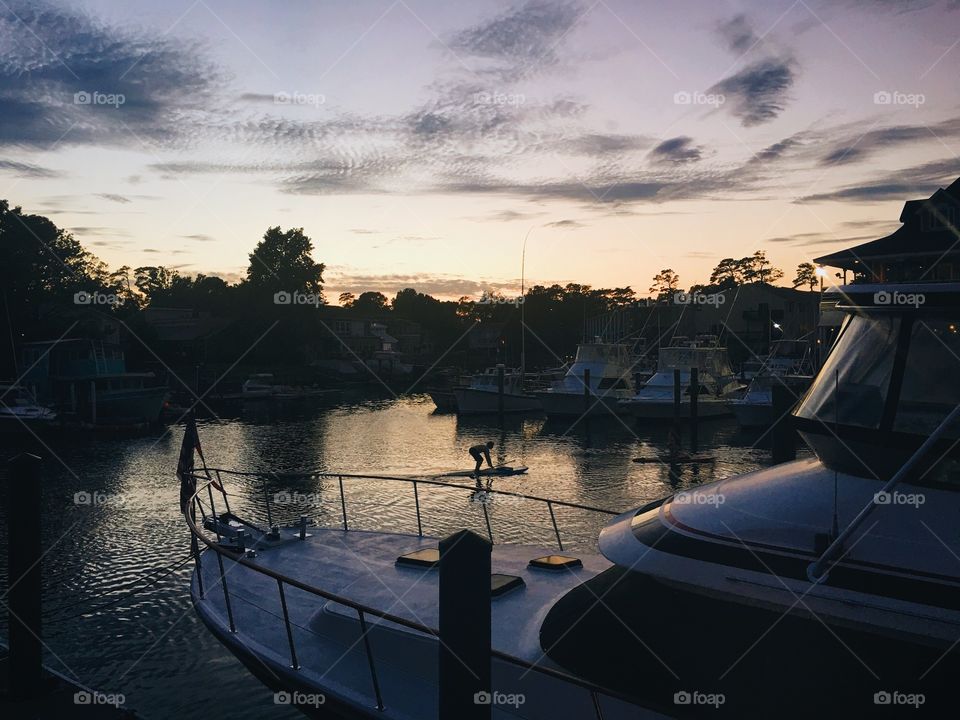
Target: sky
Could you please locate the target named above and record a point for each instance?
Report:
(425, 143)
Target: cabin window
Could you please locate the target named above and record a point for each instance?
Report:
(926, 397)
(852, 386)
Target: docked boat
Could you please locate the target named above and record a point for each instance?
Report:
(601, 375)
(88, 379)
(716, 382)
(262, 386)
(20, 412)
(483, 394)
(788, 365)
(827, 585)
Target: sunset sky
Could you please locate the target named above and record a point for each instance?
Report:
(418, 142)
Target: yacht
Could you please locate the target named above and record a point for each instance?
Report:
(788, 365)
(601, 375)
(483, 395)
(824, 586)
(716, 382)
(262, 386)
(19, 410)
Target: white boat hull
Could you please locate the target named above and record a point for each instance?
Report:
(752, 414)
(664, 410)
(578, 405)
(475, 402)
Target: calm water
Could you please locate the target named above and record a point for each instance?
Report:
(152, 648)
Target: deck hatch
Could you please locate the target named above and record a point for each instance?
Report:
(501, 584)
(555, 562)
(427, 557)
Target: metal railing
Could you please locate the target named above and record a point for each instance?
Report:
(206, 482)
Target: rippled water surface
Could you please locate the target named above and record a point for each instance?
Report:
(151, 647)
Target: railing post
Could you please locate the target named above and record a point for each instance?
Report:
(213, 512)
(416, 498)
(373, 669)
(486, 516)
(596, 704)
(24, 553)
(223, 491)
(553, 519)
(464, 646)
(286, 621)
(226, 595)
(266, 496)
(343, 503)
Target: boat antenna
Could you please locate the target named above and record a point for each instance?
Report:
(835, 526)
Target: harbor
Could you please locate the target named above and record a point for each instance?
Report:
(513, 360)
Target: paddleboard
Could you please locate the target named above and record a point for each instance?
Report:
(499, 471)
(694, 460)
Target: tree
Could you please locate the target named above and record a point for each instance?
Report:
(152, 281)
(755, 268)
(283, 261)
(665, 282)
(371, 302)
(806, 275)
(347, 299)
(727, 274)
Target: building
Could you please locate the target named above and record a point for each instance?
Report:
(746, 318)
(925, 248)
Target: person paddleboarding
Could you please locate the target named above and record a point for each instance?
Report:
(480, 453)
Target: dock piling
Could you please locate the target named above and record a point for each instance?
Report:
(500, 389)
(782, 438)
(464, 645)
(24, 554)
(694, 396)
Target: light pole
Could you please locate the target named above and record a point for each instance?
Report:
(523, 302)
(821, 272)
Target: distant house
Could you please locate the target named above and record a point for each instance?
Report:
(183, 331)
(925, 248)
(348, 340)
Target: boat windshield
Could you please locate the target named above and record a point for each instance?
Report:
(888, 372)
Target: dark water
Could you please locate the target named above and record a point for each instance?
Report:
(152, 648)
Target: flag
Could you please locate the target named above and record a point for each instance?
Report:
(188, 481)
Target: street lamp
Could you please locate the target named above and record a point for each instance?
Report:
(821, 272)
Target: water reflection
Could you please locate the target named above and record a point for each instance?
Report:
(101, 550)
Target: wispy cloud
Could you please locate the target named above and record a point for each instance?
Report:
(758, 93)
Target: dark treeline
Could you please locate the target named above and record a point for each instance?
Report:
(52, 285)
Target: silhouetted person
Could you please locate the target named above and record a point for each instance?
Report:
(480, 453)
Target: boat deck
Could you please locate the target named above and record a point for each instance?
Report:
(361, 566)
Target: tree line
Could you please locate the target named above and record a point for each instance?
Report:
(46, 274)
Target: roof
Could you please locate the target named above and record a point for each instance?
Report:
(929, 229)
